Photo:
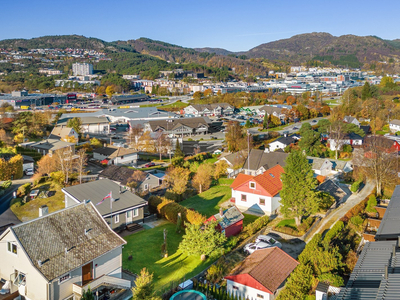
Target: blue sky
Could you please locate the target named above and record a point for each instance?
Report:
(233, 25)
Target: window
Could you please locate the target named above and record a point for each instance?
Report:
(262, 201)
(146, 186)
(244, 198)
(64, 278)
(235, 287)
(19, 278)
(128, 214)
(135, 212)
(252, 185)
(260, 296)
(12, 247)
(116, 218)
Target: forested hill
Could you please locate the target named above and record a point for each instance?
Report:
(350, 50)
(56, 41)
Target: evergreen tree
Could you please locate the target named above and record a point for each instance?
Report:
(178, 151)
(310, 142)
(298, 195)
(366, 91)
(88, 295)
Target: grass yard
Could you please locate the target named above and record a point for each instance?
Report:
(287, 223)
(178, 105)
(174, 268)
(208, 202)
(30, 210)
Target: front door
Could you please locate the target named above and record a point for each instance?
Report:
(87, 273)
(128, 217)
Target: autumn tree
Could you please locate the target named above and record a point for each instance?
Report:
(221, 168)
(203, 178)
(177, 179)
(162, 144)
(378, 162)
(135, 179)
(46, 165)
(337, 133)
(235, 138)
(298, 195)
(135, 132)
(80, 162)
(4, 138)
(146, 143)
(110, 90)
(387, 82)
(65, 161)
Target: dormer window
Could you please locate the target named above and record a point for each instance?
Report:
(252, 185)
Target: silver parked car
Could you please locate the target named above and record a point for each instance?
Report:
(269, 239)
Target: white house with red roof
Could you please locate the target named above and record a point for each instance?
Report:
(258, 193)
(261, 274)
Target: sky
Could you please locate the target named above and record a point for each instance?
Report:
(232, 25)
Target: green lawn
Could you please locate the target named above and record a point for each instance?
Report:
(207, 203)
(288, 223)
(30, 210)
(145, 248)
(176, 105)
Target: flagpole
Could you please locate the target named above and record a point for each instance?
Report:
(111, 208)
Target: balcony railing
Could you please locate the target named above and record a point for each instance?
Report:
(95, 283)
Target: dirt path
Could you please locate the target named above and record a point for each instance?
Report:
(344, 208)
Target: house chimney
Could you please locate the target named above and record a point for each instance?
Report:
(43, 210)
(40, 263)
(394, 252)
(221, 212)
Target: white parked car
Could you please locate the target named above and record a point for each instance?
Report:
(262, 242)
(270, 240)
(29, 172)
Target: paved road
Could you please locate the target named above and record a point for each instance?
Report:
(353, 200)
(5, 212)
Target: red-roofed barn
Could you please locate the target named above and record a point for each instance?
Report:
(258, 193)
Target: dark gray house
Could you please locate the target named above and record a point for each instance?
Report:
(118, 206)
(259, 161)
(121, 176)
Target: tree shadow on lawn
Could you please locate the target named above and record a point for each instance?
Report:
(203, 205)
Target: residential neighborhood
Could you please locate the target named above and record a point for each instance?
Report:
(147, 169)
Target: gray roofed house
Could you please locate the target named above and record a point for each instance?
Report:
(282, 142)
(57, 255)
(351, 120)
(126, 206)
(116, 155)
(229, 221)
(326, 166)
(332, 189)
(63, 133)
(260, 161)
(121, 176)
(234, 160)
(394, 125)
(183, 126)
(92, 124)
(370, 279)
(49, 146)
(390, 224)
(217, 109)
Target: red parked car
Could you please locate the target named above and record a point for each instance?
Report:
(150, 164)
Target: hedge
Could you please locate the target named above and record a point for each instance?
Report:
(333, 232)
(169, 210)
(11, 169)
(355, 210)
(355, 186)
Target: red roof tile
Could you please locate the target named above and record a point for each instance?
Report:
(240, 179)
(270, 267)
(270, 180)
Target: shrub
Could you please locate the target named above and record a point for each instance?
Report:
(371, 204)
(347, 148)
(6, 184)
(58, 176)
(216, 271)
(169, 210)
(333, 232)
(23, 190)
(253, 227)
(357, 221)
(355, 210)
(355, 186)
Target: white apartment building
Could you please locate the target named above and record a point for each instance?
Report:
(82, 69)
